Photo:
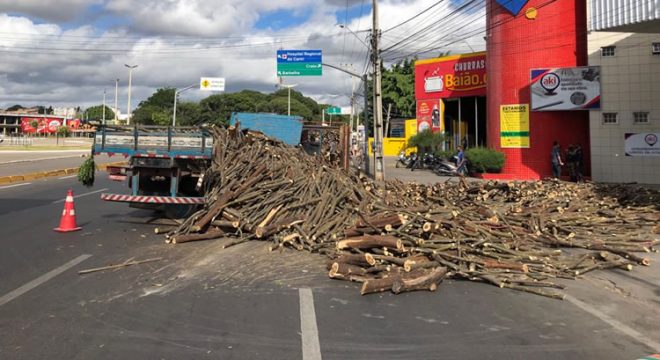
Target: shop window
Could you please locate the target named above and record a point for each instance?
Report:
(655, 48)
(607, 50)
(610, 118)
(641, 117)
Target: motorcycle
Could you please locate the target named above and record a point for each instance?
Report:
(446, 167)
(403, 159)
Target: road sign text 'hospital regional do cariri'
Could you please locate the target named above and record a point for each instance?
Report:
(299, 63)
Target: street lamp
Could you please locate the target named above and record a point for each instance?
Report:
(103, 106)
(343, 26)
(289, 101)
(130, 75)
(116, 101)
(176, 95)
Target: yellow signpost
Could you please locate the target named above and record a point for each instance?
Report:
(514, 126)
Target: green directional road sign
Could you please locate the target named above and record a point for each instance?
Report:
(333, 110)
(299, 69)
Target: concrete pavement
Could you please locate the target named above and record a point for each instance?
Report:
(244, 302)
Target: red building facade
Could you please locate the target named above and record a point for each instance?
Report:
(544, 34)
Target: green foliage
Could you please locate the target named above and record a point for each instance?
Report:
(96, 113)
(311, 104)
(427, 141)
(484, 160)
(152, 115)
(63, 130)
(216, 109)
(398, 85)
(279, 105)
(86, 172)
(445, 154)
(157, 109)
(187, 113)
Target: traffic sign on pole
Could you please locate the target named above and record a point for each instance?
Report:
(333, 110)
(299, 63)
(212, 84)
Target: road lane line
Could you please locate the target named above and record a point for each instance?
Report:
(81, 195)
(42, 279)
(67, 177)
(11, 186)
(617, 325)
(311, 349)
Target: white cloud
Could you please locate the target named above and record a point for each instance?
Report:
(225, 44)
(55, 10)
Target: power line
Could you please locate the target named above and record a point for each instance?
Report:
(413, 17)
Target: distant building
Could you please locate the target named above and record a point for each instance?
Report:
(68, 112)
(623, 148)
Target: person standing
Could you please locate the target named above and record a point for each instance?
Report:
(579, 163)
(461, 163)
(571, 161)
(556, 160)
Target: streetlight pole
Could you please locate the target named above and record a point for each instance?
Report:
(130, 78)
(289, 101)
(116, 99)
(176, 95)
(103, 106)
(379, 168)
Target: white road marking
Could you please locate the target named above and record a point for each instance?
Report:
(12, 186)
(67, 177)
(81, 195)
(42, 279)
(311, 349)
(617, 325)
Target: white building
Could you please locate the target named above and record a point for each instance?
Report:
(68, 112)
(630, 99)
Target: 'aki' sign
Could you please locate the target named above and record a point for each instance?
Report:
(451, 77)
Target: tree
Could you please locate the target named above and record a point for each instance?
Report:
(96, 113)
(50, 111)
(188, 113)
(280, 105)
(312, 106)
(398, 88)
(216, 109)
(157, 109)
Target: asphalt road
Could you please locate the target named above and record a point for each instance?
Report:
(243, 302)
(20, 163)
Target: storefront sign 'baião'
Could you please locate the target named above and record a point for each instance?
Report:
(451, 76)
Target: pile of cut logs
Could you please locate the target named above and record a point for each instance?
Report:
(398, 237)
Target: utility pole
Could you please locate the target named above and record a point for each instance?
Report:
(103, 106)
(116, 101)
(379, 168)
(365, 148)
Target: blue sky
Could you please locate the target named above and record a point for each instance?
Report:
(175, 42)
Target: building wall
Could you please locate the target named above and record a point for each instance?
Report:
(630, 83)
(553, 38)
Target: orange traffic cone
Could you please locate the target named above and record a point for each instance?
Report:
(68, 222)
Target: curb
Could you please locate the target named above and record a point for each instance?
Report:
(51, 173)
